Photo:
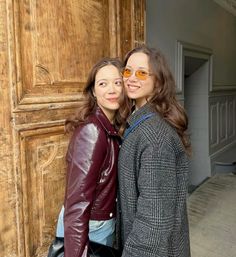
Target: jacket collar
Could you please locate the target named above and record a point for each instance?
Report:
(102, 118)
(137, 114)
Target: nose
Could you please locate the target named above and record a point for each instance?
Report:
(111, 89)
(133, 76)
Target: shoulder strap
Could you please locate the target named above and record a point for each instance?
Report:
(131, 128)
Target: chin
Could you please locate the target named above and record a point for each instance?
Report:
(113, 108)
(132, 96)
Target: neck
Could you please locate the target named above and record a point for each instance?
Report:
(139, 104)
(110, 116)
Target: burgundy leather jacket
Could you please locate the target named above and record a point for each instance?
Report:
(91, 180)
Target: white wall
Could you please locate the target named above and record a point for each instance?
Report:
(206, 25)
(199, 22)
(196, 105)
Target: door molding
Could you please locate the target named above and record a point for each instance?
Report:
(186, 49)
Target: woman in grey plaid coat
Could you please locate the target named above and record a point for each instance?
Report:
(153, 161)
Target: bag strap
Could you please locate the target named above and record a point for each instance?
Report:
(131, 128)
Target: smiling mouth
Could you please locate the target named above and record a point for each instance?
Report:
(132, 87)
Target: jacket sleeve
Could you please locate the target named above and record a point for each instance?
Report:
(154, 220)
(85, 158)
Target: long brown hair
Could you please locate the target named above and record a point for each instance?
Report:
(163, 97)
(88, 104)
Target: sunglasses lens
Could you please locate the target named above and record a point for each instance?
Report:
(127, 73)
(141, 74)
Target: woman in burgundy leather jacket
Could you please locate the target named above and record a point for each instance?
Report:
(91, 187)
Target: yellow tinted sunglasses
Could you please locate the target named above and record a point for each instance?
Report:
(140, 74)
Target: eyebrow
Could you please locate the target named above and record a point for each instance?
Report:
(107, 79)
(140, 67)
(101, 80)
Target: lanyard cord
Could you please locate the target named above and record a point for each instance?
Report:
(131, 128)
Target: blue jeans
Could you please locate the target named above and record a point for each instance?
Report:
(100, 231)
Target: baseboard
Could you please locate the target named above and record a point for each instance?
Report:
(225, 156)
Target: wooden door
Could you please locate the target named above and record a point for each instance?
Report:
(46, 50)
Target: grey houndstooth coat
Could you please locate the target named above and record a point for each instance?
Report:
(153, 181)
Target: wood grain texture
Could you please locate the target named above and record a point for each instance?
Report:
(132, 24)
(43, 182)
(46, 51)
(59, 46)
(8, 196)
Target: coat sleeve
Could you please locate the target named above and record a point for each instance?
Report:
(85, 158)
(154, 219)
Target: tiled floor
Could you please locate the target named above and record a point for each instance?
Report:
(212, 217)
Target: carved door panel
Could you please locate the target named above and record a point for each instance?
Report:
(46, 51)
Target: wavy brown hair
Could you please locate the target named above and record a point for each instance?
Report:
(88, 104)
(163, 97)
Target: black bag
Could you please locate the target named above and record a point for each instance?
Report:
(98, 250)
(56, 249)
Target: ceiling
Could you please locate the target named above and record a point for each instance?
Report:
(229, 5)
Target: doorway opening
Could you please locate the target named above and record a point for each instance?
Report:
(196, 63)
(196, 105)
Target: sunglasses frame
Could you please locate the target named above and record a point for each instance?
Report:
(136, 73)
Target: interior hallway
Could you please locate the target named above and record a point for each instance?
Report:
(212, 217)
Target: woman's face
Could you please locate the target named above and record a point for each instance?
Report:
(107, 89)
(136, 88)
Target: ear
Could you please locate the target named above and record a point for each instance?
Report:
(93, 92)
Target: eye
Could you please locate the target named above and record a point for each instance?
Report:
(127, 72)
(102, 84)
(142, 72)
(118, 82)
